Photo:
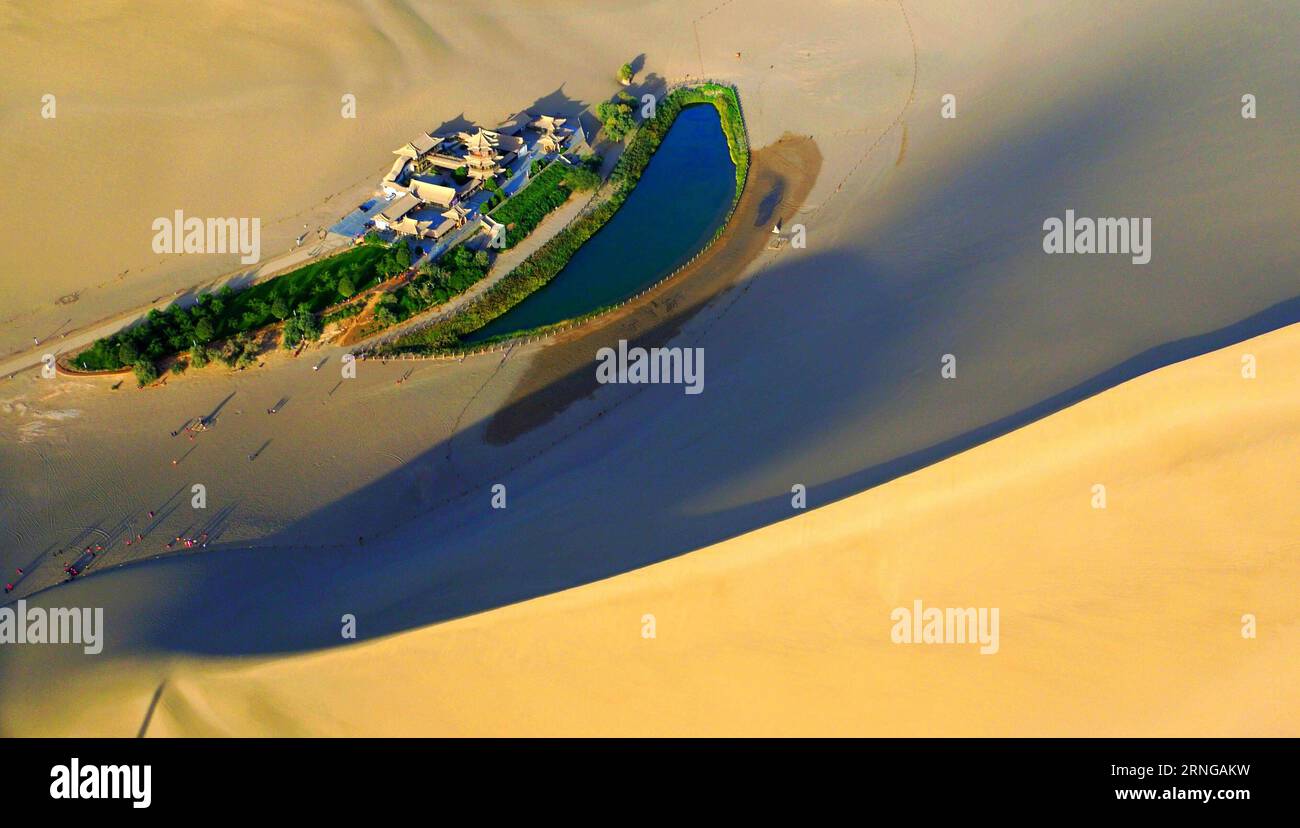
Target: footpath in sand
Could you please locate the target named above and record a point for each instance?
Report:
(1126, 620)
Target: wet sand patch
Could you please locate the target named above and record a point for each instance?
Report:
(781, 176)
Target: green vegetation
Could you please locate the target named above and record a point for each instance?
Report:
(498, 194)
(239, 351)
(546, 192)
(433, 285)
(543, 265)
(346, 312)
(616, 116)
(145, 372)
(583, 177)
(625, 74)
(303, 324)
(228, 313)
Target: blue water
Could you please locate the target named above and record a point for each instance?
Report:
(679, 203)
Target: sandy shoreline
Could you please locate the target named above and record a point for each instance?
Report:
(781, 176)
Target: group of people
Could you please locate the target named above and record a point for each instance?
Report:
(186, 542)
(193, 427)
(92, 551)
(72, 570)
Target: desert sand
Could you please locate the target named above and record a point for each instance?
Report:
(823, 364)
(1124, 620)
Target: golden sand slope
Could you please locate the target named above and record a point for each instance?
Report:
(1121, 621)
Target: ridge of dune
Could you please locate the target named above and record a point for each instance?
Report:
(1124, 620)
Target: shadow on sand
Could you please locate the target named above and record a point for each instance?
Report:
(823, 369)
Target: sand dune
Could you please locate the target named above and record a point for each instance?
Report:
(938, 252)
(1125, 620)
(924, 239)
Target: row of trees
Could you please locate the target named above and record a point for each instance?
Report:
(295, 298)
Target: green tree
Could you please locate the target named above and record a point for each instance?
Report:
(203, 331)
(279, 309)
(625, 74)
(582, 178)
(127, 353)
(346, 288)
(145, 372)
(616, 118)
(439, 276)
